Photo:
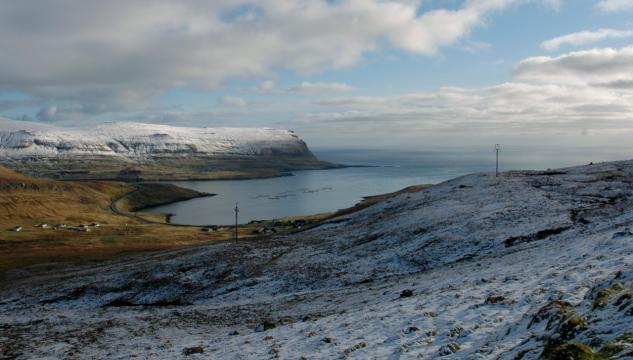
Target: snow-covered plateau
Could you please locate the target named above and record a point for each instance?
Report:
(527, 265)
(135, 151)
(20, 139)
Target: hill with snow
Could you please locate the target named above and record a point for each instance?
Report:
(529, 265)
(25, 144)
(19, 139)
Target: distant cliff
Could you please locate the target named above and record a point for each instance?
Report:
(135, 151)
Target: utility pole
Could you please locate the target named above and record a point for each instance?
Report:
(237, 210)
(497, 150)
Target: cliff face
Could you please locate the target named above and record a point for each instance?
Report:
(156, 151)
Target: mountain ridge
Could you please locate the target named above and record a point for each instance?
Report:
(24, 139)
(131, 151)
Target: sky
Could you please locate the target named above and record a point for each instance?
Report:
(340, 73)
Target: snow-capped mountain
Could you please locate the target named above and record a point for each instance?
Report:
(20, 139)
(134, 151)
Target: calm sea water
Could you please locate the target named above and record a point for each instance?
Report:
(318, 191)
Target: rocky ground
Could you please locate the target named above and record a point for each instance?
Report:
(527, 265)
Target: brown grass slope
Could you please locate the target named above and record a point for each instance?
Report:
(25, 201)
(28, 202)
(148, 195)
(7, 174)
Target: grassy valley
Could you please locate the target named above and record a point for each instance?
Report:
(82, 221)
(70, 221)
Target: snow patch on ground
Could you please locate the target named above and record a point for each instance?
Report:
(479, 256)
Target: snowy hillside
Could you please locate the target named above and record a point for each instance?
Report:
(524, 266)
(134, 151)
(19, 139)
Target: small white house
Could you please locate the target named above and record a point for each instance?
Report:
(16, 228)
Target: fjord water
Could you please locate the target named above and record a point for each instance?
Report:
(319, 191)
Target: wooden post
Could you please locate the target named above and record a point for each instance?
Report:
(497, 149)
(237, 210)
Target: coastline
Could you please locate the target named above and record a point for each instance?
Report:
(121, 232)
(172, 169)
(149, 198)
(311, 220)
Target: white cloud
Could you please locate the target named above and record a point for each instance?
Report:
(232, 101)
(585, 37)
(266, 86)
(476, 46)
(597, 66)
(618, 84)
(120, 55)
(615, 5)
(554, 4)
(576, 93)
(309, 88)
(507, 108)
(47, 113)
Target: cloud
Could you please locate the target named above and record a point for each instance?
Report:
(476, 46)
(121, 55)
(309, 88)
(615, 5)
(17, 103)
(617, 84)
(604, 65)
(47, 113)
(575, 93)
(585, 37)
(554, 4)
(583, 94)
(505, 108)
(232, 101)
(266, 86)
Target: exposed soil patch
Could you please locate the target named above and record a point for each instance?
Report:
(541, 235)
